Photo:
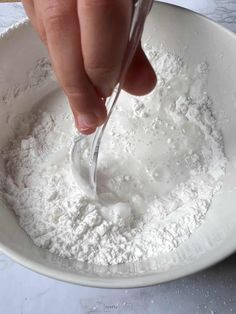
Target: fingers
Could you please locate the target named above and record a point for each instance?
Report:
(30, 11)
(87, 40)
(62, 31)
(104, 28)
(140, 78)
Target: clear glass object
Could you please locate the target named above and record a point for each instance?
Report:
(86, 174)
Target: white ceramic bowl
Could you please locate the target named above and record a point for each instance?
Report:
(196, 39)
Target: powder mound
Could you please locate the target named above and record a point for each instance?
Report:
(161, 162)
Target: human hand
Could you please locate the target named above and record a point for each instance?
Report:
(87, 40)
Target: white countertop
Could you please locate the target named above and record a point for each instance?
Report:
(209, 292)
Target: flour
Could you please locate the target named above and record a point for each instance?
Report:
(161, 162)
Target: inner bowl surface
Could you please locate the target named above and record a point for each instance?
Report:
(187, 34)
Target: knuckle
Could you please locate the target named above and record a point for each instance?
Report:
(88, 4)
(73, 91)
(101, 70)
(56, 14)
(76, 96)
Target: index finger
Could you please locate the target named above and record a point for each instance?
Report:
(62, 30)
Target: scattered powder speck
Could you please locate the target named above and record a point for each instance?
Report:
(160, 164)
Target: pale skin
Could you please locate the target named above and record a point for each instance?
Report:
(86, 41)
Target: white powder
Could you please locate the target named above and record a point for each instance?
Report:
(161, 162)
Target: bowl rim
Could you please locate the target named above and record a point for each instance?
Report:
(126, 282)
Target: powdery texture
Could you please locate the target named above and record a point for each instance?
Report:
(161, 163)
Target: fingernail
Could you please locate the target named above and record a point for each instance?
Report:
(87, 131)
(87, 121)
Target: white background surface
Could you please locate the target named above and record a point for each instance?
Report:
(209, 292)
